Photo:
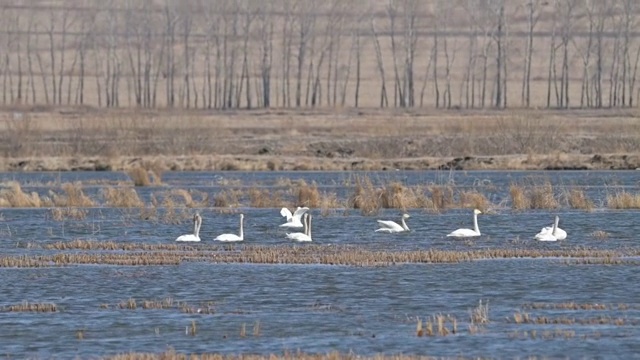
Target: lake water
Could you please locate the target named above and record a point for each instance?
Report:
(316, 308)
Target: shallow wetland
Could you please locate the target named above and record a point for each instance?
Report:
(101, 280)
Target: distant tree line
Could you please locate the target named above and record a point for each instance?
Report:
(226, 54)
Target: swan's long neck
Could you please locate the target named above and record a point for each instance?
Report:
(555, 226)
(196, 226)
(475, 223)
(309, 226)
(404, 224)
(241, 226)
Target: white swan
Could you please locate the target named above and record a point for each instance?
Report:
(293, 220)
(549, 235)
(233, 237)
(389, 226)
(558, 233)
(469, 232)
(302, 237)
(197, 222)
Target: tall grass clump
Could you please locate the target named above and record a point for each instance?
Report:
(308, 195)
(73, 196)
(473, 199)
(149, 173)
(13, 196)
(480, 314)
(365, 196)
(122, 197)
(226, 198)
(519, 198)
(623, 200)
(542, 197)
(577, 199)
(441, 196)
(265, 198)
(139, 176)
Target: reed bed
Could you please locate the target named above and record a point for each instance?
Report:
(623, 200)
(122, 197)
(437, 325)
(570, 306)
(311, 254)
(31, 307)
(526, 318)
(13, 196)
(363, 194)
(287, 355)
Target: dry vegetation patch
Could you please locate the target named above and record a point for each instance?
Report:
(164, 254)
(31, 307)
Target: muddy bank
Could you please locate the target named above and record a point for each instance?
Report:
(559, 161)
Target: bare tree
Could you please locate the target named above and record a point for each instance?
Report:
(534, 10)
(265, 24)
(384, 101)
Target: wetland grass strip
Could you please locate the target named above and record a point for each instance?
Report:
(31, 307)
(309, 254)
(171, 354)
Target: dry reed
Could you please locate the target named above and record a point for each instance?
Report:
(308, 195)
(13, 196)
(308, 254)
(73, 196)
(122, 197)
(31, 307)
(365, 196)
(519, 199)
(480, 314)
(623, 200)
(600, 234)
(287, 355)
(543, 197)
(61, 214)
(577, 199)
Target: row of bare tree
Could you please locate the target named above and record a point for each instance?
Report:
(305, 53)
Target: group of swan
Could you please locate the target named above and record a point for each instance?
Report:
(197, 222)
(549, 233)
(300, 218)
(302, 236)
(293, 221)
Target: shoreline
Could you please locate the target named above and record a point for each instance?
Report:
(560, 161)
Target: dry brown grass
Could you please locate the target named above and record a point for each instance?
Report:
(308, 195)
(473, 199)
(139, 176)
(73, 196)
(519, 199)
(623, 200)
(13, 196)
(442, 196)
(480, 314)
(149, 255)
(287, 355)
(543, 197)
(31, 307)
(600, 235)
(577, 199)
(365, 196)
(122, 197)
(533, 196)
(62, 214)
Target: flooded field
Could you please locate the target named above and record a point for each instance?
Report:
(501, 294)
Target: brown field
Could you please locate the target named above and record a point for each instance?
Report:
(299, 86)
(271, 140)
